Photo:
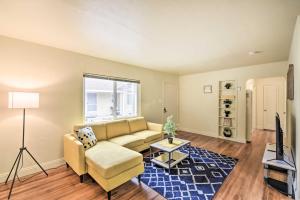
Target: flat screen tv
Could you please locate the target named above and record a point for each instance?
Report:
(279, 139)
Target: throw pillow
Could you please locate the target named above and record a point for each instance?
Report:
(87, 137)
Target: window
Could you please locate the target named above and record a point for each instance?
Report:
(91, 102)
(109, 98)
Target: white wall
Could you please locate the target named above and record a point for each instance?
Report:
(57, 75)
(199, 112)
(293, 107)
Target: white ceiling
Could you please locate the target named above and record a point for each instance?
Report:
(178, 36)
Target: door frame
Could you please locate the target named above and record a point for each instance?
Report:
(164, 98)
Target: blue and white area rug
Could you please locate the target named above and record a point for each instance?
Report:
(198, 178)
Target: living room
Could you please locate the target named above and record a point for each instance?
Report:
(138, 70)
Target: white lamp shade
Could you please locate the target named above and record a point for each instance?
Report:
(23, 100)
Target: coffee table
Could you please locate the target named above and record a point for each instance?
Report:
(171, 155)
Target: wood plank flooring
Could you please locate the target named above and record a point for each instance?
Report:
(244, 183)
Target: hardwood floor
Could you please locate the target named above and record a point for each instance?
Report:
(244, 183)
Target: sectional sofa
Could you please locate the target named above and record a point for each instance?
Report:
(115, 159)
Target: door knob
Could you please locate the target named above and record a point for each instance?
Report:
(165, 110)
(265, 110)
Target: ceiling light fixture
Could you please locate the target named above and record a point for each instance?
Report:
(251, 53)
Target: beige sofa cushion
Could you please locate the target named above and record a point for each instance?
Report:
(99, 129)
(128, 141)
(117, 128)
(110, 159)
(148, 135)
(137, 124)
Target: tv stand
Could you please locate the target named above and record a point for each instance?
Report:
(287, 165)
(272, 147)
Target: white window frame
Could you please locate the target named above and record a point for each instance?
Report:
(88, 75)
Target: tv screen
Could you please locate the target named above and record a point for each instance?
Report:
(279, 139)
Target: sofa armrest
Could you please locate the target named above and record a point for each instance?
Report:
(74, 154)
(155, 127)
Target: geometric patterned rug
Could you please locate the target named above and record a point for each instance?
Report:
(198, 178)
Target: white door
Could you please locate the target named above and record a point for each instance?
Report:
(270, 106)
(170, 103)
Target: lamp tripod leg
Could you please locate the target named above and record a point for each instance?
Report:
(36, 161)
(16, 171)
(13, 166)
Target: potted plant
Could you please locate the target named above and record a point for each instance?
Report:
(228, 85)
(227, 113)
(227, 132)
(170, 129)
(227, 103)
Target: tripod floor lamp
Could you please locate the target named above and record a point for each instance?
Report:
(22, 100)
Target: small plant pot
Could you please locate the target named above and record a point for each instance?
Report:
(227, 113)
(228, 85)
(170, 140)
(227, 103)
(227, 132)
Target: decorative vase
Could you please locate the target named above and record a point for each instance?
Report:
(170, 139)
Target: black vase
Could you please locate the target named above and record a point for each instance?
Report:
(170, 139)
(227, 132)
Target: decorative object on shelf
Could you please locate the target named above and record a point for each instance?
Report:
(227, 103)
(228, 85)
(290, 82)
(227, 132)
(22, 100)
(228, 109)
(227, 122)
(227, 113)
(207, 89)
(170, 128)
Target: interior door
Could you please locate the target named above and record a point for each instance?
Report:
(170, 105)
(270, 106)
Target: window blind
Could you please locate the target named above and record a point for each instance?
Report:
(88, 75)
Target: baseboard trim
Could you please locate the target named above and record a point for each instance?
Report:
(34, 169)
(211, 134)
(234, 139)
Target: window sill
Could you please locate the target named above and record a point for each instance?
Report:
(111, 120)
